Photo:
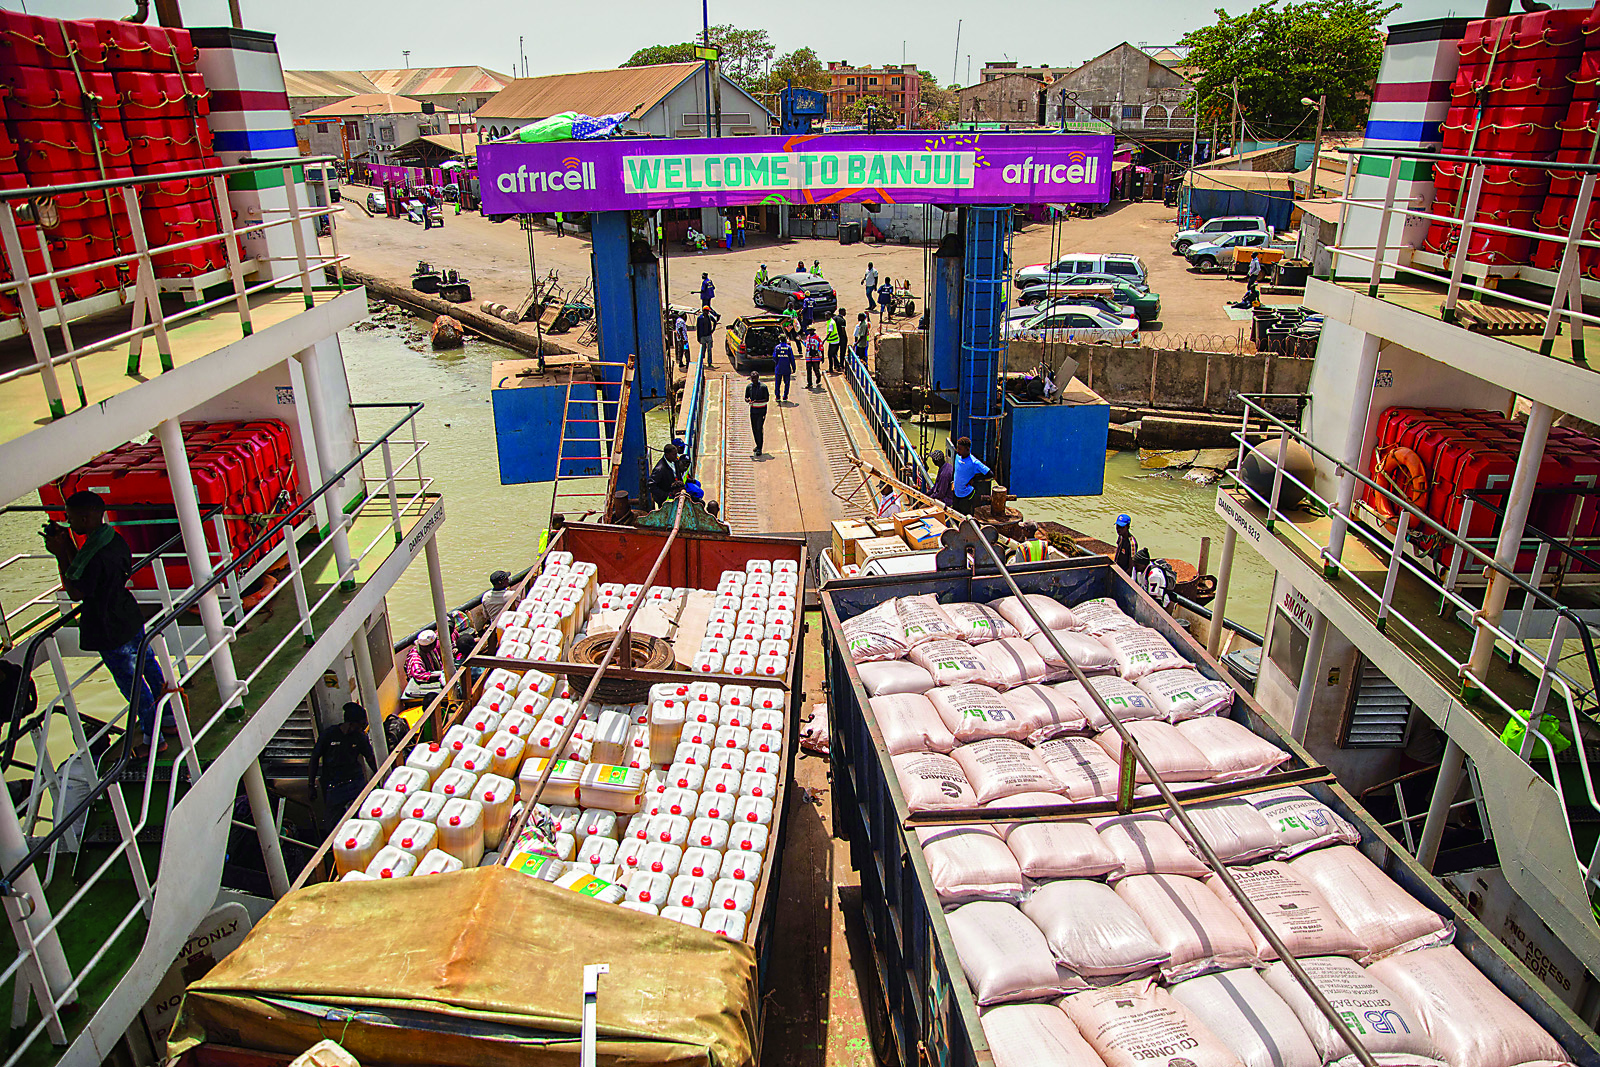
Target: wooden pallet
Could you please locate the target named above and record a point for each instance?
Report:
(1482, 318)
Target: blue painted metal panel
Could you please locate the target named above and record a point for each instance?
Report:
(983, 308)
(1396, 130)
(650, 379)
(1055, 449)
(944, 327)
(619, 339)
(527, 430)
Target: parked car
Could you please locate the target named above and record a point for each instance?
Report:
(1206, 255)
(1069, 323)
(1122, 265)
(1211, 229)
(377, 203)
(781, 288)
(1093, 300)
(749, 340)
(1145, 304)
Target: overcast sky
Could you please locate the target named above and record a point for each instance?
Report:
(365, 34)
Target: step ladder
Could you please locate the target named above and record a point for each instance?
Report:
(587, 449)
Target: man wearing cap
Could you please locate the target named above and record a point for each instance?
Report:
(425, 661)
(1127, 545)
(968, 468)
(338, 760)
(497, 597)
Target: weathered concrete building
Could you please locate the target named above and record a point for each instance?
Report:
(900, 85)
(366, 129)
(1127, 88)
(1007, 98)
(1003, 68)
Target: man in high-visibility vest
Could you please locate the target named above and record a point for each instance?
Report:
(1032, 548)
(835, 342)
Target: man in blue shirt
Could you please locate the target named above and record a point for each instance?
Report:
(707, 290)
(968, 468)
(782, 368)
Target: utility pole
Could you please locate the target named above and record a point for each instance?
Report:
(1233, 123)
(1316, 143)
(407, 53)
(705, 40)
(955, 62)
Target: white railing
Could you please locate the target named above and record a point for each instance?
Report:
(1456, 270)
(1393, 549)
(148, 316)
(397, 496)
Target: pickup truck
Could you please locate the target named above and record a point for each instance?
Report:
(1211, 229)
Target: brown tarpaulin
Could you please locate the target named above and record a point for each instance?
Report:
(478, 969)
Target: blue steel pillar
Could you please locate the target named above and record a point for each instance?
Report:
(982, 316)
(944, 320)
(619, 342)
(650, 374)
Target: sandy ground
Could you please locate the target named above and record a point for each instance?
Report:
(494, 257)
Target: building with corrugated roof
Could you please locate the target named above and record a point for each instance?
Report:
(662, 100)
(369, 127)
(443, 87)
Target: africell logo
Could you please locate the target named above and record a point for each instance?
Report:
(1081, 168)
(578, 175)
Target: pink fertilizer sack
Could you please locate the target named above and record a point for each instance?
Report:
(1236, 832)
(909, 723)
(1198, 931)
(1002, 953)
(1139, 1024)
(1090, 656)
(1169, 753)
(1388, 1027)
(974, 712)
(952, 663)
(1082, 767)
(1056, 616)
(887, 677)
(923, 620)
(1184, 693)
(874, 634)
(1301, 822)
(1145, 844)
(1384, 916)
(930, 780)
(1126, 700)
(1140, 650)
(970, 863)
(1294, 910)
(977, 623)
(1034, 1035)
(1000, 767)
(1060, 850)
(1101, 616)
(1047, 712)
(1253, 1021)
(1091, 930)
(1012, 662)
(1232, 749)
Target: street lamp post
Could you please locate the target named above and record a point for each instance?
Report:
(1321, 104)
(407, 53)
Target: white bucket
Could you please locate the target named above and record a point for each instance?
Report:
(728, 759)
(758, 784)
(735, 715)
(729, 924)
(716, 806)
(538, 682)
(405, 780)
(636, 749)
(666, 728)
(668, 829)
(383, 807)
(765, 762)
(698, 733)
(707, 663)
(748, 837)
(742, 866)
(769, 698)
(756, 810)
(733, 894)
(722, 783)
(701, 862)
(485, 720)
(772, 665)
(658, 857)
(690, 892)
(641, 907)
(732, 737)
(765, 741)
(596, 822)
(648, 888)
(456, 782)
(474, 759)
(767, 719)
(357, 876)
(705, 692)
(691, 752)
(675, 801)
(686, 916)
(424, 807)
(506, 751)
(459, 737)
(690, 776)
(596, 850)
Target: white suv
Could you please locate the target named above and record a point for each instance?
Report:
(1211, 229)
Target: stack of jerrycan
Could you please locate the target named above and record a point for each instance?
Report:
(1580, 143)
(247, 467)
(1509, 101)
(99, 99)
(1475, 451)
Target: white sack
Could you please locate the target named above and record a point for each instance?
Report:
(1185, 693)
(1090, 655)
(923, 620)
(1372, 905)
(1100, 616)
(1140, 650)
(1232, 749)
(1253, 1021)
(929, 781)
(951, 663)
(999, 767)
(970, 863)
(1091, 930)
(1126, 700)
(1047, 712)
(1082, 767)
(978, 623)
(894, 676)
(874, 634)
(1034, 1035)
(1012, 662)
(1138, 1024)
(1060, 850)
(1301, 821)
(1383, 1023)
(1172, 756)
(1236, 832)
(1003, 955)
(1294, 910)
(1026, 800)
(1145, 844)
(1187, 920)
(974, 712)
(1470, 1022)
(1056, 616)
(909, 723)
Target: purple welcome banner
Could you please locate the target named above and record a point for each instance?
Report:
(888, 168)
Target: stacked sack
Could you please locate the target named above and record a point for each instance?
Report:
(1510, 100)
(1109, 940)
(664, 807)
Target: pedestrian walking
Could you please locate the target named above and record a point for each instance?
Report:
(870, 280)
(707, 290)
(782, 368)
(885, 300)
(739, 225)
(863, 330)
(561, 224)
(761, 279)
(808, 311)
(791, 318)
(816, 267)
(342, 758)
(968, 468)
(756, 394)
(1252, 274)
(680, 337)
(704, 327)
(813, 360)
(800, 266)
(835, 341)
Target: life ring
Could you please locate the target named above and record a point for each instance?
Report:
(1401, 471)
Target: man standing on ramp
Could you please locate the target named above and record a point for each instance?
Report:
(756, 395)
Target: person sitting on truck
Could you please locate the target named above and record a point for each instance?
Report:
(1032, 548)
(497, 597)
(664, 480)
(968, 469)
(337, 759)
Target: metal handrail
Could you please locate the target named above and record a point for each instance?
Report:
(160, 623)
(1131, 746)
(891, 435)
(696, 410)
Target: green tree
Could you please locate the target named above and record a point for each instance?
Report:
(802, 68)
(873, 112)
(1280, 52)
(940, 106)
(661, 53)
(744, 54)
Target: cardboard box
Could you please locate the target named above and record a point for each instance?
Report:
(923, 534)
(846, 533)
(880, 546)
(906, 518)
(883, 527)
